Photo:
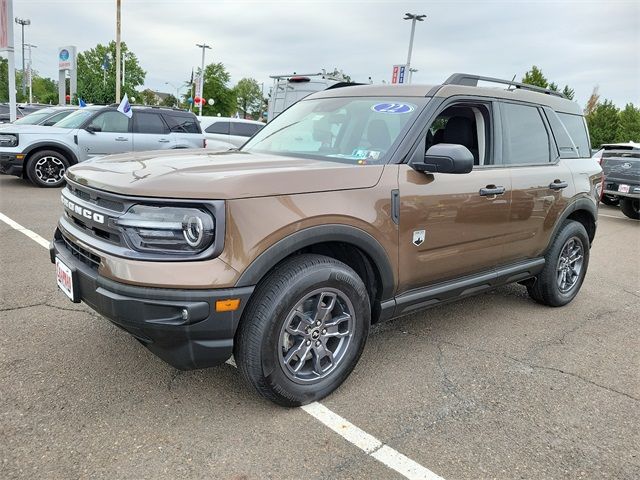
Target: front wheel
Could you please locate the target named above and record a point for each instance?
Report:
(565, 267)
(304, 330)
(47, 168)
(630, 207)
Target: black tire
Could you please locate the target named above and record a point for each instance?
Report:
(259, 351)
(46, 168)
(630, 207)
(546, 288)
(610, 200)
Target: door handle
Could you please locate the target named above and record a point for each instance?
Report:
(122, 139)
(490, 190)
(558, 185)
(164, 140)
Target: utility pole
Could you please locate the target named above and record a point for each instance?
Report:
(118, 4)
(23, 22)
(30, 72)
(203, 46)
(414, 18)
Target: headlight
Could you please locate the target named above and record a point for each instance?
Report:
(8, 140)
(167, 229)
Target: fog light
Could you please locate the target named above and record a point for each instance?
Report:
(228, 305)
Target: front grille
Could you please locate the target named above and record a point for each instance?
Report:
(81, 254)
(96, 199)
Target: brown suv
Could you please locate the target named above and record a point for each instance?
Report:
(355, 205)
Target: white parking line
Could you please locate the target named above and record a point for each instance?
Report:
(32, 235)
(611, 216)
(347, 430)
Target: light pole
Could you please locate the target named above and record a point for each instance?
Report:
(30, 46)
(118, 58)
(203, 46)
(23, 22)
(414, 18)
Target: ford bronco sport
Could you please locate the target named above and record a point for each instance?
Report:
(355, 205)
(43, 154)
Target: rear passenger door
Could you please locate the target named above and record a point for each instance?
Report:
(541, 182)
(150, 132)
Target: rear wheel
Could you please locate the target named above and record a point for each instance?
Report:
(565, 267)
(630, 207)
(304, 330)
(610, 200)
(47, 168)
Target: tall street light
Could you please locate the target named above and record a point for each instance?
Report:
(177, 93)
(414, 18)
(23, 22)
(30, 71)
(203, 46)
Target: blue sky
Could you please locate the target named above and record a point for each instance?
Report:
(579, 43)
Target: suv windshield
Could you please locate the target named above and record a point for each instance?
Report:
(35, 117)
(76, 119)
(346, 129)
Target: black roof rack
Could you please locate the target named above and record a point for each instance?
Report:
(472, 81)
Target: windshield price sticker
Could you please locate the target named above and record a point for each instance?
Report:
(393, 108)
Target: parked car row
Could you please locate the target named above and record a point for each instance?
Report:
(42, 145)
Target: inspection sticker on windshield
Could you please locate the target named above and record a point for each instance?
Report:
(393, 107)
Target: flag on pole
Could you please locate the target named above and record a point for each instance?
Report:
(125, 107)
(81, 102)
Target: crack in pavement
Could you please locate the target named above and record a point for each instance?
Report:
(21, 307)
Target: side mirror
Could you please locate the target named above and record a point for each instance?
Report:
(445, 158)
(93, 128)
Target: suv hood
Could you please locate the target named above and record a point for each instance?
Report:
(198, 174)
(34, 129)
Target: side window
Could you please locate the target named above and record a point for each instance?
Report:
(526, 140)
(242, 129)
(111, 121)
(464, 124)
(56, 118)
(577, 129)
(218, 127)
(144, 122)
(182, 123)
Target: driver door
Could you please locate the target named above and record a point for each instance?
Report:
(111, 134)
(449, 226)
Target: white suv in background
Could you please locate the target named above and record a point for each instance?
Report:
(235, 131)
(43, 154)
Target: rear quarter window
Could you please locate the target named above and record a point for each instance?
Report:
(577, 128)
(244, 129)
(182, 123)
(221, 128)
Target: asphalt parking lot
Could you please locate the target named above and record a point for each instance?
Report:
(494, 386)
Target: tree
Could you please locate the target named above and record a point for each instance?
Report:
(249, 97)
(553, 86)
(216, 79)
(535, 77)
(97, 87)
(603, 123)
(568, 92)
(4, 80)
(169, 101)
(629, 126)
(148, 97)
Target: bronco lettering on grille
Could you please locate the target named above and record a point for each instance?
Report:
(80, 210)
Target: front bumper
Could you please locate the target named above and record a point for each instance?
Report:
(181, 327)
(11, 163)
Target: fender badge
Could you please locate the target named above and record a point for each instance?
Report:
(418, 237)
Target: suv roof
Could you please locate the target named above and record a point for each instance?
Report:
(462, 84)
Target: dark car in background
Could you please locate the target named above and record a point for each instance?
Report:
(21, 111)
(621, 166)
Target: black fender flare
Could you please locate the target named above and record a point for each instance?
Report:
(52, 146)
(277, 252)
(582, 203)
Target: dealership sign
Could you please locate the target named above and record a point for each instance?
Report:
(397, 75)
(67, 58)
